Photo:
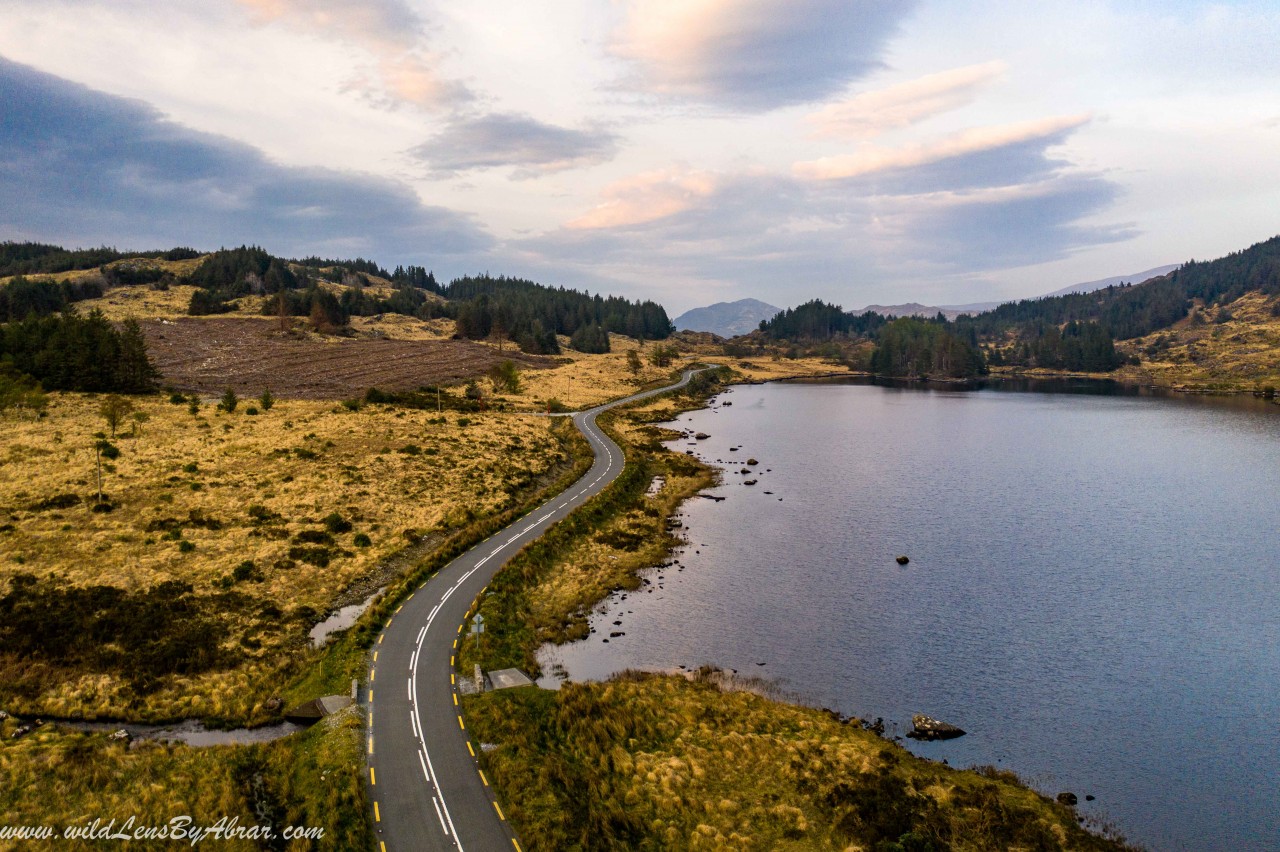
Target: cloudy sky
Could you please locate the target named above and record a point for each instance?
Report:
(690, 151)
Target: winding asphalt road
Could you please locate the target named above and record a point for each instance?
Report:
(427, 790)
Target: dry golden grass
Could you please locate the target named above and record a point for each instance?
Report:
(400, 327)
(1240, 353)
(394, 474)
(61, 778)
(661, 762)
(633, 541)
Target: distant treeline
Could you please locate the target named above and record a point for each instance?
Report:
(906, 347)
(532, 314)
(1077, 346)
(79, 353)
(525, 312)
(1137, 310)
(818, 320)
(42, 259)
(24, 297)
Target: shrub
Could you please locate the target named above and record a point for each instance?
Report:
(317, 556)
(464, 421)
(177, 398)
(335, 523)
(361, 540)
(108, 450)
(313, 537)
(266, 400)
(251, 410)
(246, 570)
(229, 401)
(352, 404)
(261, 514)
(185, 546)
(191, 467)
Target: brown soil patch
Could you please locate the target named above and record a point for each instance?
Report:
(249, 355)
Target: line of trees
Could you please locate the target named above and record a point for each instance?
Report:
(533, 314)
(79, 353)
(28, 258)
(910, 347)
(1077, 346)
(818, 320)
(23, 297)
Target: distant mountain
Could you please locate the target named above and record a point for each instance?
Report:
(1103, 283)
(727, 319)
(915, 309)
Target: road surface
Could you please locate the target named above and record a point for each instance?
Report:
(426, 787)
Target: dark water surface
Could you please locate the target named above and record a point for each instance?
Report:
(1093, 592)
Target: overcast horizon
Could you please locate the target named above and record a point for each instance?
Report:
(687, 151)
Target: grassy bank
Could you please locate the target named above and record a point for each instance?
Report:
(662, 762)
(63, 779)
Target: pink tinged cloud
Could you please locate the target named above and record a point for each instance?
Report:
(872, 113)
(754, 54)
(390, 30)
(647, 197)
(873, 159)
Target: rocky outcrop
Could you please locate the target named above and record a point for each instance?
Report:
(927, 728)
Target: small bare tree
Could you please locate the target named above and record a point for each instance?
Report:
(114, 409)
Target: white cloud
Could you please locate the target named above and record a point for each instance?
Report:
(404, 70)
(872, 113)
(755, 54)
(872, 159)
(506, 139)
(647, 197)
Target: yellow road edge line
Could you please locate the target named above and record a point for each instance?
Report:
(460, 725)
(371, 744)
(484, 780)
(383, 846)
(372, 672)
(375, 656)
(470, 749)
(455, 699)
(373, 779)
(455, 643)
(499, 810)
(377, 814)
(451, 659)
(453, 678)
(381, 636)
(513, 843)
(370, 695)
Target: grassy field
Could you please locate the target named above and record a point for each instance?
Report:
(1234, 347)
(663, 762)
(61, 779)
(259, 523)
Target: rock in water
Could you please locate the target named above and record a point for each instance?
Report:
(702, 436)
(926, 728)
(902, 560)
(1068, 799)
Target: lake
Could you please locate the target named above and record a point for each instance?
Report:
(1093, 590)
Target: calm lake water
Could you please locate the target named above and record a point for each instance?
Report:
(1093, 592)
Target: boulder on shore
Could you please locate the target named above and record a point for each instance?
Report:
(927, 728)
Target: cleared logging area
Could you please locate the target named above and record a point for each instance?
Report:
(251, 355)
